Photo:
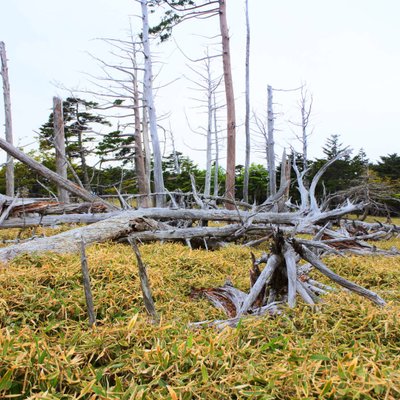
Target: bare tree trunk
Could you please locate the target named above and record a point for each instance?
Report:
(271, 144)
(149, 103)
(247, 115)
(305, 120)
(216, 163)
(51, 175)
(230, 106)
(207, 184)
(59, 144)
(8, 120)
(143, 186)
(146, 149)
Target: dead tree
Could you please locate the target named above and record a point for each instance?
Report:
(271, 144)
(51, 175)
(230, 105)
(281, 282)
(207, 84)
(247, 113)
(59, 143)
(149, 104)
(8, 120)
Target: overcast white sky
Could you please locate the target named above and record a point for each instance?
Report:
(347, 51)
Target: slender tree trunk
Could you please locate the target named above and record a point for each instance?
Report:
(8, 120)
(230, 105)
(59, 144)
(207, 185)
(82, 156)
(149, 103)
(146, 148)
(216, 163)
(247, 115)
(143, 186)
(271, 145)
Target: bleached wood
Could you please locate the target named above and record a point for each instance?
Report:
(149, 104)
(291, 269)
(10, 184)
(59, 144)
(264, 278)
(271, 143)
(320, 266)
(247, 110)
(51, 175)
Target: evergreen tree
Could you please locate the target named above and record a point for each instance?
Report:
(79, 133)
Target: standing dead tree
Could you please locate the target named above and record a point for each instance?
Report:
(247, 113)
(149, 104)
(187, 9)
(208, 84)
(59, 143)
(8, 120)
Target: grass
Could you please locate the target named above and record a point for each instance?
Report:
(349, 350)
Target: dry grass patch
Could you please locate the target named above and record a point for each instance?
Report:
(349, 350)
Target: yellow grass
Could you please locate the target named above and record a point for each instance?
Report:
(350, 350)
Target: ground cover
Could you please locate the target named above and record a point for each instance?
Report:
(351, 349)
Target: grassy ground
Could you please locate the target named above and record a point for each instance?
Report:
(349, 350)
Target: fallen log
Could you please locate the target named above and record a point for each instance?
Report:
(52, 176)
(66, 242)
(280, 281)
(119, 224)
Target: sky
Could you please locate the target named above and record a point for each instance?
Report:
(347, 53)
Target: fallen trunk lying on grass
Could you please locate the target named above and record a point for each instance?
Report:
(124, 223)
(279, 283)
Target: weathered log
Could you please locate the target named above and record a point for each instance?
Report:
(54, 220)
(262, 280)
(320, 266)
(66, 242)
(52, 176)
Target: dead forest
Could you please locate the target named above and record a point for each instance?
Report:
(198, 219)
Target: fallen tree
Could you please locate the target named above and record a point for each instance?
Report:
(280, 283)
(122, 223)
(52, 176)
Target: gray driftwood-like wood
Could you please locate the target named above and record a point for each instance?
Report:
(8, 120)
(271, 144)
(299, 220)
(247, 112)
(262, 280)
(59, 144)
(86, 285)
(320, 266)
(51, 175)
(291, 269)
(144, 282)
(68, 242)
(149, 104)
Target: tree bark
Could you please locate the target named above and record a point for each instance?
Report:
(70, 241)
(230, 106)
(8, 120)
(247, 115)
(51, 175)
(59, 143)
(142, 181)
(149, 103)
(271, 144)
